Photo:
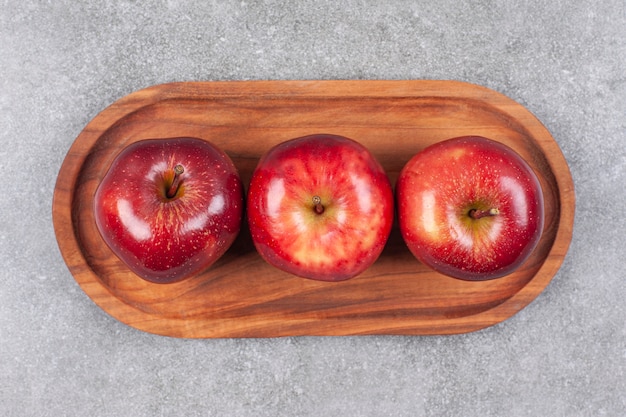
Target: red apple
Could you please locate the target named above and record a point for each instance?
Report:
(320, 207)
(470, 208)
(169, 208)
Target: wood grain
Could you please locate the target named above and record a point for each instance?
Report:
(241, 295)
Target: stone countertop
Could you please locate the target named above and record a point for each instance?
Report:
(63, 62)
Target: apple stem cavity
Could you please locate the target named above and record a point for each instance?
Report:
(173, 188)
(479, 214)
(317, 205)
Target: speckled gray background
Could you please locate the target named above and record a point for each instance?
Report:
(62, 62)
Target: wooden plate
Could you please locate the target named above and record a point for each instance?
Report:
(242, 296)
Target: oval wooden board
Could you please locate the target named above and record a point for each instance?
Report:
(241, 296)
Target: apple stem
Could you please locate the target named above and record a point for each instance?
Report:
(318, 207)
(479, 214)
(178, 170)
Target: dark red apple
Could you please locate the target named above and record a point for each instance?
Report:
(320, 207)
(470, 208)
(169, 208)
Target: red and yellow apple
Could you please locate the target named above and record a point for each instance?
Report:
(169, 208)
(470, 208)
(320, 207)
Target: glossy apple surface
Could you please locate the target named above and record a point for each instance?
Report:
(470, 208)
(320, 207)
(167, 225)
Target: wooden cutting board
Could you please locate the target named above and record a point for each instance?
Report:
(241, 295)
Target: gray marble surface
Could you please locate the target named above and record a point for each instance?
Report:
(62, 62)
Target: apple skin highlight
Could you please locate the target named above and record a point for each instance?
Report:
(470, 208)
(320, 207)
(169, 208)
